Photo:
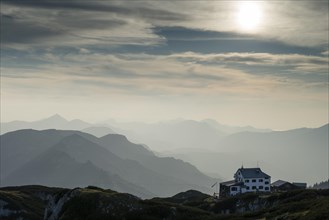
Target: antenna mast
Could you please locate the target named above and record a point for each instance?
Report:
(217, 183)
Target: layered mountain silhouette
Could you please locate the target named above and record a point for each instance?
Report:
(233, 129)
(180, 133)
(299, 155)
(175, 134)
(73, 158)
(294, 155)
(53, 122)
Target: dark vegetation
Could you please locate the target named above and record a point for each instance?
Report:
(30, 202)
(321, 185)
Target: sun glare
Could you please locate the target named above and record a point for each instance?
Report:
(249, 15)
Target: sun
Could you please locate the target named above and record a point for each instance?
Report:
(249, 15)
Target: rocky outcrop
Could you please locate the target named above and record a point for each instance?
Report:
(6, 212)
(55, 204)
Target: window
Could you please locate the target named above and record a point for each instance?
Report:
(253, 180)
(246, 181)
(260, 187)
(254, 187)
(248, 188)
(266, 182)
(233, 188)
(260, 180)
(267, 188)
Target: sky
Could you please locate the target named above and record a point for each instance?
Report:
(259, 63)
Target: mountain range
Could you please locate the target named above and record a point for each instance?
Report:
(68, 158)
(299, 155)
(180, 133)
(161, 136)
(53, 122)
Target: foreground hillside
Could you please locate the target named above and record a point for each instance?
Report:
(39, 202)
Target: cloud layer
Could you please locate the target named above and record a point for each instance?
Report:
(123, 22)
(165, 53)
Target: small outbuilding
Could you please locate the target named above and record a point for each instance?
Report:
(300, 185)
(281, 185)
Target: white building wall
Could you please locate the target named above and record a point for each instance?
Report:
(257, 184)
(253, 184)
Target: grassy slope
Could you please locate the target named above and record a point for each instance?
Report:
(96, 203)
(29, 202)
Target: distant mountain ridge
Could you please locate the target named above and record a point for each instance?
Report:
(298, 155)
(172, 134)
(160, 136)
(215, 149)
(29, 157)
(53, 122)
(233, 129)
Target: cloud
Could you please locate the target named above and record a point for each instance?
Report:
(18, 30)
(175, 74)
(158, 56)
(302, 23)
(112, 23)
(298, 23)
(72, 23)
(297, 61)
(325, 53)
(47, 27)
(121, 8)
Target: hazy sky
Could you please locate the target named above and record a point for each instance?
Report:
(242, 63)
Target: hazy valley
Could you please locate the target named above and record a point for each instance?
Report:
(140, 181)
(217, 150)
(70, 158)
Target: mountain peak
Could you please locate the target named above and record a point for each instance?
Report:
(115, 137)
(56, 117)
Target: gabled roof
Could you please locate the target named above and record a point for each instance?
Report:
(279, 183)
(252, 173)
(300, 185)
(231, 183)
